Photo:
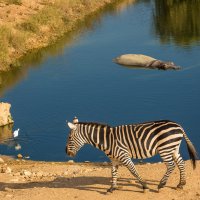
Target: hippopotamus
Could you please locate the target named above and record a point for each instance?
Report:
(139, 60)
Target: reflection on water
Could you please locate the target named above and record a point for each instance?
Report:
(6, 137)
(6, 133)
(177, 21)
(35, 58)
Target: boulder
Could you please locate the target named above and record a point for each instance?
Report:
(5, 115)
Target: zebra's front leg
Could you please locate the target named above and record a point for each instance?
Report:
(114, 171)
(130, 165)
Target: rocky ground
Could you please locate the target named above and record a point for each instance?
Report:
(22, 179)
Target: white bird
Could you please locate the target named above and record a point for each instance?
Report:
(16, 133)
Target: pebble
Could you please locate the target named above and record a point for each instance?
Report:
(3, 169)
(1, 160)
(14, 180)
(8, 170)
(9, 195)
(65, 173)
(19, 156)
(26, 173)
(17, 174)
(8, 189)
(39, 174)
(105, 163)
(27, 157)
(70, 161)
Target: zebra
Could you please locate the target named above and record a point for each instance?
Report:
(138, 141)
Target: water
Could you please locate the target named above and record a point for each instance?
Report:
(76, 77)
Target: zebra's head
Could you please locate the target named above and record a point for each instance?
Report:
(75, 140)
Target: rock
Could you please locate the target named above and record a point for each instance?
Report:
(19, 156)
(39, 174)
(9, 195)
(27, 157)
(65, 173)
(5, 115)
(3, 169)
(8, 189)
(8, 170)
(17, 174)
(70, 161)
(14, 180)
(1, 160)
(26, 173)
(45, 174)
(105, 163)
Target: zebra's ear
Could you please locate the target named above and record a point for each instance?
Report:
(75, 120)
(71, 126)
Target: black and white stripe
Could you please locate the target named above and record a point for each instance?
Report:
(140, 141)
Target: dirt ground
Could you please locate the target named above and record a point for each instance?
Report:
(25, 180)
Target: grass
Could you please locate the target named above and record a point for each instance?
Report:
(4, 42)
(10, 39)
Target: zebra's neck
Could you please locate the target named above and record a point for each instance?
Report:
(95, 134)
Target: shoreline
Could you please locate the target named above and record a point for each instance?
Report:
(30, 26)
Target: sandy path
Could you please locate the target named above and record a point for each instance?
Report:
(60, 181)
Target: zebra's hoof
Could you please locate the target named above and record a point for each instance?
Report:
(179, 186)
(111, 189)
(146, 190)
(160, 186)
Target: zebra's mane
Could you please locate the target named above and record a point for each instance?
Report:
(95, 124)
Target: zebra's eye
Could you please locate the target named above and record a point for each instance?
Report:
(70, 137)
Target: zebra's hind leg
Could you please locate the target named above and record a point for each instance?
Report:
(130, 165)
(114, 171)
(181, 166)
(170, 167)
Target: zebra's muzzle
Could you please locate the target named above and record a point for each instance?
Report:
(69, 153)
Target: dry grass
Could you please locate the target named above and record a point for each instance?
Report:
(26, 25)
(16, 2)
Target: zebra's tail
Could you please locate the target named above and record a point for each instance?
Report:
(191, 150)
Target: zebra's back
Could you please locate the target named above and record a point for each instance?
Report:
(144, 140)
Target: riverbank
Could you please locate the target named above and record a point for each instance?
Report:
(65, 180)
(27, 25)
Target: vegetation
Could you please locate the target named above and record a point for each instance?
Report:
(17, 2)
(48, 20)
(176, 21)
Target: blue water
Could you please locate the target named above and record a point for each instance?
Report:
(81, 80)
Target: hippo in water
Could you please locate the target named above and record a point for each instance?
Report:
(139, 60)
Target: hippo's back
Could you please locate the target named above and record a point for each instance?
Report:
(134, 60)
